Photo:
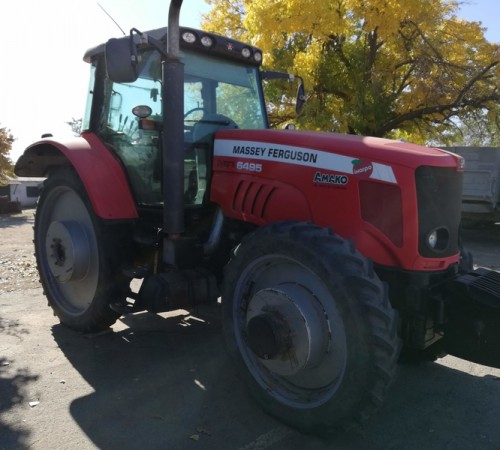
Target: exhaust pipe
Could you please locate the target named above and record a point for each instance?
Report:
(173, 141)
(173, 120)
(173, 29)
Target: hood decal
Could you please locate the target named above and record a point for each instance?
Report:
(289, 154)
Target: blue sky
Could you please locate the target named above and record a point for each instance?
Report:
(43, 80)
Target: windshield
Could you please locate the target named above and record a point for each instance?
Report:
(217, 94)
(211, 86)
(225, 88)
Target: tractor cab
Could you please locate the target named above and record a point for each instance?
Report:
(221, 90)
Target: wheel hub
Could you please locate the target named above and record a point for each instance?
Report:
(287, 329)
(68, 250)
(268, 336)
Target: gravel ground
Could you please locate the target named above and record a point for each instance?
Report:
(17, 261)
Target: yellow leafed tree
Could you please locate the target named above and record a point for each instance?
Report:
(395, 68)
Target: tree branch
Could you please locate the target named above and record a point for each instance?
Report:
(448, 110)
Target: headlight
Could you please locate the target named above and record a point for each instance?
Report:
(207, 41)
(246, 52)
(189, 37)
(438, 239)
(432, 239)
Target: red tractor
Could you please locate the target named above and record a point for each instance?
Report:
(330, 253)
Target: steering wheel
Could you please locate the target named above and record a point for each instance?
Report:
(199, 108)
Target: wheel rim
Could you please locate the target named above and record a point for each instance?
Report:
(68, 253)
(289, 331)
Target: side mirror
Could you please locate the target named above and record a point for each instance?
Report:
(301, 95)
(301, 98)
(121, 60)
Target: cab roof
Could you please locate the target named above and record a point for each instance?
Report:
(221, 46)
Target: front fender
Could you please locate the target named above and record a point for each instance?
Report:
(101, 173)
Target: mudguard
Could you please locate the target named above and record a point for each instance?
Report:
(101, 173)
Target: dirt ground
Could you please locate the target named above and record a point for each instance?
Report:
(166, 382)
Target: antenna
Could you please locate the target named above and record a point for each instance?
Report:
(114, 21)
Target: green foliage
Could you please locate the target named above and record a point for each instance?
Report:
(6, 166)
(373, 67)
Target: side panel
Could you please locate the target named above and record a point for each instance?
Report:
(100, 172)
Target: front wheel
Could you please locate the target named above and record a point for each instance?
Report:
(78, 256)
(310, 326)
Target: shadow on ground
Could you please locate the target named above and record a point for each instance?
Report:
(168, 383)
(14, 220)
(13, 384)
(162, 383)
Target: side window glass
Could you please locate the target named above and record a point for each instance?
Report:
(195, 175)
(90, 95)
(193, 108)
(137, 148)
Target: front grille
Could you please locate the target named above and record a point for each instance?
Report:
(439, 195)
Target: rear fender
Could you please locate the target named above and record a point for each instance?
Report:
(101, 173)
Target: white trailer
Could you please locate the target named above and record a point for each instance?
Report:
(24, 190)
(481, 187)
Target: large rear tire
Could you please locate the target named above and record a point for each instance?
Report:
(310, 326)
(79, 257)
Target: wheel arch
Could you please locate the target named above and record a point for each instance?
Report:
(101, 173)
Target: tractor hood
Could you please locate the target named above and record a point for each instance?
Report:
(311, 148)
(395, 193)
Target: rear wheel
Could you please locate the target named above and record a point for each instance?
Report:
(79, 257)
(310, 326)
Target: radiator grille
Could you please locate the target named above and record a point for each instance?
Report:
(439, 194)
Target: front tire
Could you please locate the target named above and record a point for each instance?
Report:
(310, 326)
(78, 256)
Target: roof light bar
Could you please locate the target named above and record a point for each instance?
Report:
(188, 37)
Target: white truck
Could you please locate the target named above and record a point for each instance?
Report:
(481, 187)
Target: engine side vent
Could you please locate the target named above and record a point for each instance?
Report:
(251, 198)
